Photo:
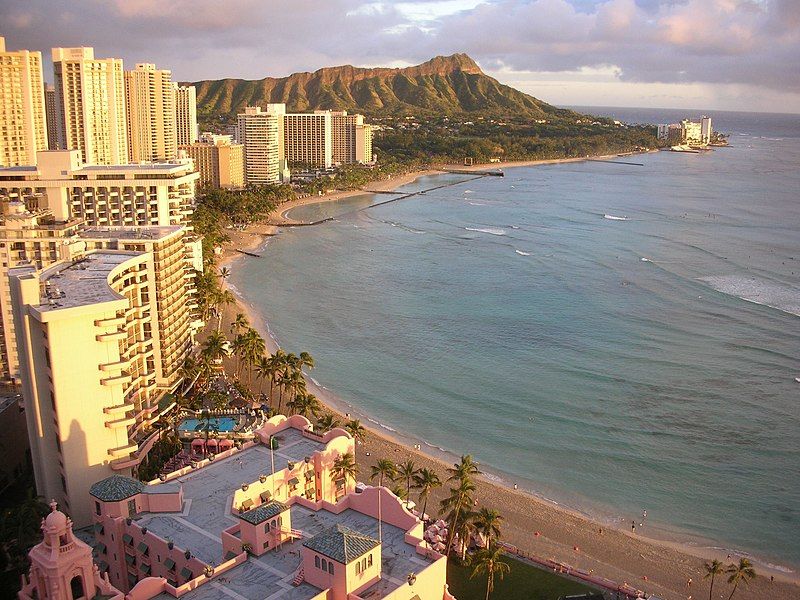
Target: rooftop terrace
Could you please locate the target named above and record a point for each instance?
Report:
(208, 494)
(81, 282)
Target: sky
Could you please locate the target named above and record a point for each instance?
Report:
(700, 54)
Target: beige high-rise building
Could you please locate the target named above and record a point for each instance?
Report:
(150, 98)
(364, 154)
(69, 192)
(308, 140)
(219, 161)
(185, 114)
(259, 132)
(51, 114)
(90, 101)
(351, 138)
(101, 335)
(23, 125)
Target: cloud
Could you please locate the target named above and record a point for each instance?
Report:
(738, 42)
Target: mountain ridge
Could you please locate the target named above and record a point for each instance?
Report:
(443, 84)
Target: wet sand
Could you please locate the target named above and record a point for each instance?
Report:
(654, 566)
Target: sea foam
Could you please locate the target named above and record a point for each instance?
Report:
(489, 230)
(774, 295)
(615, 218)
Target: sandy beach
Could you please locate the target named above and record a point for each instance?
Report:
(654, 566)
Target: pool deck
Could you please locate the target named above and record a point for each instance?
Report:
(208, 493)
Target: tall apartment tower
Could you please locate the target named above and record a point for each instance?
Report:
(51, 114)
(351, 138)
(150, 98)
(259, 132)
(101, 337)
(23, 125)
(308, 140)
(90, 104)
(186, 114)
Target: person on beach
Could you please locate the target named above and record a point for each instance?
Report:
(633, 526)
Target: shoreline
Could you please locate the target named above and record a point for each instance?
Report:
(655, 565)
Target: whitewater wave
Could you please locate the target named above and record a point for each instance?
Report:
(521, 253)
(646, 259)
(615, 218)
(468, 192)
(489, 230)
(382, 425)
(781, 297)
(477, 204)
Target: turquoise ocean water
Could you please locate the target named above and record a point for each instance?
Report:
(614, 338)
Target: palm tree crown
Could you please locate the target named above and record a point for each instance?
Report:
(741, 573)
(490, 561)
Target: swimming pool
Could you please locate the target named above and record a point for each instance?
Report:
(223, 424)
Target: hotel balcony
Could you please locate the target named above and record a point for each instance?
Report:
(118, 408)
(123, 422)
(111, 337)
(123, 451)
(120, 379)
(115, 366)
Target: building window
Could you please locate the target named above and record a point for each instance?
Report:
(324, 565)
(316, 561)
(369, 560)
(358, 567)
(76, 587)
(330, 567)
(96, 508)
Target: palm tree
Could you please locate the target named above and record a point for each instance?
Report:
(712, 569)
(294, 384)
(224, 273)
(741, 573)
(426, 480)
(327, 422)
(240, 323)
(305, 360)
(263, 371)
(383, 468)
(459, 498)
(464, 469)
(490, 561)
(488, 522)
(356, 430)
(406, 471)
(214, 347)
(344, 467)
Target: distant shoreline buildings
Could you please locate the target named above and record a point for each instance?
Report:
(687, 132)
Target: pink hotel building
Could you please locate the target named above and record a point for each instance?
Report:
(269, 520)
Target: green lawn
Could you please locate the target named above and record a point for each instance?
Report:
(524, 582)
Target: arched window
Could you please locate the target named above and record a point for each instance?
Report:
(316, 561)
(324, 565)
(330, 567)
(76, 587)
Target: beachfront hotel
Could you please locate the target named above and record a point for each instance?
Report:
(351, 139)
(269, 519)
(44, 205)
(90, 105)
(219, 161)
(185, 114)
(308, 140)
(100, 336)
(126, 194)
(150, 99)
(260, 133)
(23, 124)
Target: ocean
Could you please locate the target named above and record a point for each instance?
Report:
(614, 338)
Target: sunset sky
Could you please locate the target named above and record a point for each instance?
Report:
(704, 54)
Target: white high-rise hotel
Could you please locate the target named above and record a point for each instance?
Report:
(90, 105)
(23, 126)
